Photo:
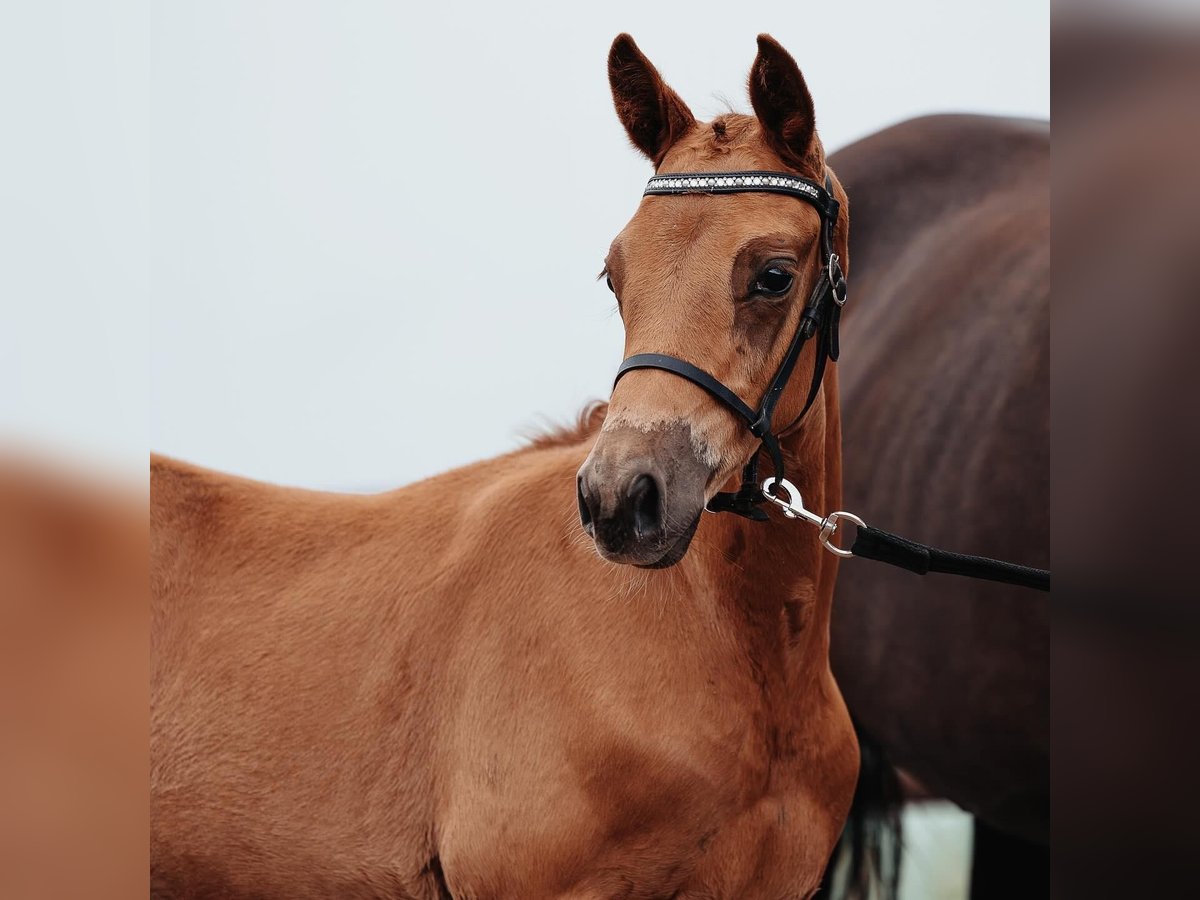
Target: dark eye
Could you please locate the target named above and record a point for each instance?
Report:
(608, 281)
(773, 282)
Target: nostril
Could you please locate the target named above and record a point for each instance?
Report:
(645, 505)
(585, 514)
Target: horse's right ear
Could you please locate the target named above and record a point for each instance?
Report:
(653, 115)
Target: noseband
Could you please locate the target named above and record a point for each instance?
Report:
(819, 318)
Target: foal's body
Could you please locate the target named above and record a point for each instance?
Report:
(445, 691)
(353, 694)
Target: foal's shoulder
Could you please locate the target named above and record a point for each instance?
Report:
(185, 508)
(180, 490)
(194, 506)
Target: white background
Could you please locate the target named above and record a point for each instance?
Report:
(375, 228)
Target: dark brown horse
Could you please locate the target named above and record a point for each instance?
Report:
(945, 398)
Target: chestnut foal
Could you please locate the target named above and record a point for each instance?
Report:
(446, 691)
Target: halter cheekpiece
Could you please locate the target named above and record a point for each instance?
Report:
(819, 318)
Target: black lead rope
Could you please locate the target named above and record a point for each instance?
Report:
(885, 547)
(819, 319)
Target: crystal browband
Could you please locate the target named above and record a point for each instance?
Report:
(743, 182)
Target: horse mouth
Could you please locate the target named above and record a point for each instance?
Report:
(677, 550)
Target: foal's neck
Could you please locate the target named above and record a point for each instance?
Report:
(775, 578)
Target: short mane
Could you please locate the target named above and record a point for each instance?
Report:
(586, 423)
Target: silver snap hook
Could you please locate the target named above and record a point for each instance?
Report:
(792, 505)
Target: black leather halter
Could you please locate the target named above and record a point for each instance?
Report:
(819, 318)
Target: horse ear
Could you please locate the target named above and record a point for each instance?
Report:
(782, 103)
(653, 115)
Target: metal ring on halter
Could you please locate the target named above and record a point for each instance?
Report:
(835, 261)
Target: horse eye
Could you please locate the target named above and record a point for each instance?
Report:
(773, 282)
(608, 281)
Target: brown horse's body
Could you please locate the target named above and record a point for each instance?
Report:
(352, 693)
(945, 380)
(445, 691)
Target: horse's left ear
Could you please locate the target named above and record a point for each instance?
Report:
(783, 105)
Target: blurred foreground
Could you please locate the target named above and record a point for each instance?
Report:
(73, 686)
(1126, 256)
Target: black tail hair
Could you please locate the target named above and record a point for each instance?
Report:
(866, 861)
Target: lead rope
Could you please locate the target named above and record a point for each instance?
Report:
(883, 546)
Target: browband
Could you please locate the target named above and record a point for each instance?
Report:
(746, 182)
(823, 309)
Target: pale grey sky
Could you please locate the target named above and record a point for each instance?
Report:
(361, 215)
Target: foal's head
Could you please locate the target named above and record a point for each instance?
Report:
(719, 281)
